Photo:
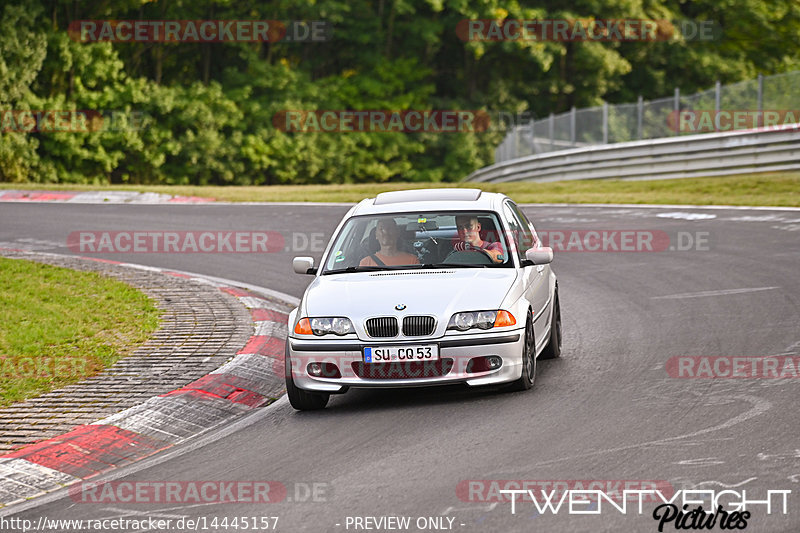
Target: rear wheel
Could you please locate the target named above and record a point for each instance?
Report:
(300, 399)
(553, 348)
(528, 376)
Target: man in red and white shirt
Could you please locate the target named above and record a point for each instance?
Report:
(469, 237)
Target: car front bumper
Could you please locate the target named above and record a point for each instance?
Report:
(455, 352)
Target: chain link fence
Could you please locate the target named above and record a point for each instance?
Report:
(766, 101)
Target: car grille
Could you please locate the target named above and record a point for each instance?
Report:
(417, 326)
(382, 327)
(403, 370)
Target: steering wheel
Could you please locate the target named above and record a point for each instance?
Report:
(455, 256)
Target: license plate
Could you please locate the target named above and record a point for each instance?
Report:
(382, 354)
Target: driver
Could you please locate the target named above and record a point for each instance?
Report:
(469, 238)
(387, 233)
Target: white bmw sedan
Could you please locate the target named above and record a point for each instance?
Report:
(421, 288)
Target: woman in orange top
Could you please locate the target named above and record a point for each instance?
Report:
(387, 233)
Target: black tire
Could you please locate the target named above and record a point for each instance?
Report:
(300, 399)
(528, 377)
(553, 348)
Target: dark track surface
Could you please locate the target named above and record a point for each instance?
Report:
(607, 410)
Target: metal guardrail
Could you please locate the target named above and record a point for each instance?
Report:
(708, 154)
(653, 119)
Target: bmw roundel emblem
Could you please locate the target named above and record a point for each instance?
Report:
(400, 307)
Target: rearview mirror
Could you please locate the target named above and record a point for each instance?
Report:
(304, 265)
(422, 225)
(540, 256)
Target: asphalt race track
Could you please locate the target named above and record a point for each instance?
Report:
(608, 410)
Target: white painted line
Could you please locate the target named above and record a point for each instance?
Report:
(701, 461)
(258, 303)
(142, 267)
(288, 298)
(271, 329)
(674, 206)
(686, 216)
(703, 294)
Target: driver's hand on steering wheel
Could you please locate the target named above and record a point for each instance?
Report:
(496, 255)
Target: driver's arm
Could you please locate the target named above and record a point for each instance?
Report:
(495, 251)
(496, 255)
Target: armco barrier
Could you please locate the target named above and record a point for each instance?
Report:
(708, 154)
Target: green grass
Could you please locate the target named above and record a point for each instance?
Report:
(773, 188)
(60, 325)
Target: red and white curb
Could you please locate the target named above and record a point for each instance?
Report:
(248, 381)
(99, 197)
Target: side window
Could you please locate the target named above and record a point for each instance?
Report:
(527, 223)
(520, 231)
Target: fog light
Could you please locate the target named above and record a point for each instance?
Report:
(323, 370)
(484, 363)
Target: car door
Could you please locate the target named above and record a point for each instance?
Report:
(536, 277)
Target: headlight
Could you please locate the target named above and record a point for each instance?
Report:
(481, 320)
(337, 325)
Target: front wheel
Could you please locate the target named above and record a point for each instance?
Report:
(528, 376)
(553, 348)
(300, 399)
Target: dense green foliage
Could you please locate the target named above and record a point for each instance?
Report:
(209, 106)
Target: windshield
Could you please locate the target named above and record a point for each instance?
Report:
(464, 239)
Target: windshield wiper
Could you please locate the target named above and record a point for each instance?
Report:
(355, 269)
(448, 265)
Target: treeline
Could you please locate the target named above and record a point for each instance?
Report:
(202, 112)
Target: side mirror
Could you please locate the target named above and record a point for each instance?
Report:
(540, 256)
(303, 265)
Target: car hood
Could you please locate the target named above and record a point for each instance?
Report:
(439, 293)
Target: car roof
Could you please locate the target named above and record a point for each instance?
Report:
(429, 200)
